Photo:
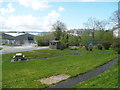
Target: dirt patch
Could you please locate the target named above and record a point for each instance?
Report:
(54, 79)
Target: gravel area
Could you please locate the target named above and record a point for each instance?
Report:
(14, 49)
(54, 79)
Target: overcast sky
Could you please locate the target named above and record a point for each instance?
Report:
(39, 15)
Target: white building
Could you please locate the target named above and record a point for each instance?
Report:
(76, 32)
(116, 32)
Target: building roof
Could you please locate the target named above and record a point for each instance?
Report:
(76, 31)
(24, 36)
(6, 36)
(54, 41)
(18, 34)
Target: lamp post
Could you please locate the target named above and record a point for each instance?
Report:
(93, 36)
(118, 14)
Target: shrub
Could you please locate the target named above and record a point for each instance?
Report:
(90, 48)
(73, 40)
(44, 38)
(99, 46)
(64, 41)
(86, 47)
(116, 46)
(106, 45)
(61, 47)
(43, 43)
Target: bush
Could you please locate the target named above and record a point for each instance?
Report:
(43, 43)
(61, 47)
(106, 45)
(44, 38)
(116, 46)
(99, 46)
(90, 48)
(86, 47)
(64, 41)
(73, 40)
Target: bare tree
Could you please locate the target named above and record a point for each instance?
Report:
(115, 18)
(95, 24)
(90, 24)
(101, 25)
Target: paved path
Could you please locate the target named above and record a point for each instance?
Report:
(7, 49)
(72, 55)
(84, 77)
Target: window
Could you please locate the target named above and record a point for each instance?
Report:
(30, 38)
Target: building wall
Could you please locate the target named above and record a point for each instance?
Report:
(8, 39)
(54, 45)
(116, 32)
(24, 39)
(11, 42)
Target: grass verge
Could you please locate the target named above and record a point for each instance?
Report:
(108, 79)
(6, 44)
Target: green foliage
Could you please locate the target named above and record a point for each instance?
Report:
(85, 37)
(44, 38)
(99, 46)
(99, 35)
(104, 36)
(73, 40)
(116, 46)
(58, 28)
(64, 41)
(106, 44)
(60, 34)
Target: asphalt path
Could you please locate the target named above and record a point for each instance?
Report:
(84, 77)
(7, 49)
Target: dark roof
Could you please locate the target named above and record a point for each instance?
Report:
(24, 36)
(20, 37)
(54, 41)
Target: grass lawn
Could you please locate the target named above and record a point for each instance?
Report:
(6, 44)
(94, 50)
(108, 79)
(27, 73)
(47, 53)
(0, 72)
(1, 48)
